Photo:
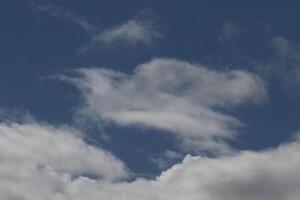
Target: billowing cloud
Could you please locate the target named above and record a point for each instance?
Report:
(272, 174)
(248, 175)
(173, 95)
(33, 155)
(39, 162)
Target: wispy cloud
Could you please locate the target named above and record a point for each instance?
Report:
(283, 64)
(272, 56)
(173, 95)
(60, 12)
(134, 32)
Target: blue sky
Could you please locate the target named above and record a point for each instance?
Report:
(139, 90)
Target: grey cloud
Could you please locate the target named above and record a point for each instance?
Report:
(265, 175)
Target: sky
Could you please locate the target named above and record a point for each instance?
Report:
(153, 100)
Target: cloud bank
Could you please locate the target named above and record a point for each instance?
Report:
(43, 162)
(266, 175)
(180, 97)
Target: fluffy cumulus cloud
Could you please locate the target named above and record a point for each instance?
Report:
(180, 97)
(247, 175)
(36, 160)
(42, 162)
(272, 174)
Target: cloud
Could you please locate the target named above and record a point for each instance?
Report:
(133, 32)
(271, 174)
(38, 162)
(176, 96)
(287, 57)
(60, 12)
(31, 152)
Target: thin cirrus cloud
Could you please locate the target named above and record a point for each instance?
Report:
(179, 97)
(60, 12)
(43, 162)
(282, 64)
(134, 32)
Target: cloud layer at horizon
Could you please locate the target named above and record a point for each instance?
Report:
(133, 32)
(40, 161)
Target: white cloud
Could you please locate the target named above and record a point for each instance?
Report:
(37, 163)
(173, 95)
(30, 148)
(272, 174)
(40, 161)
(133, 32)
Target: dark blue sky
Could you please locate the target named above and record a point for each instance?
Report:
(233, 35)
